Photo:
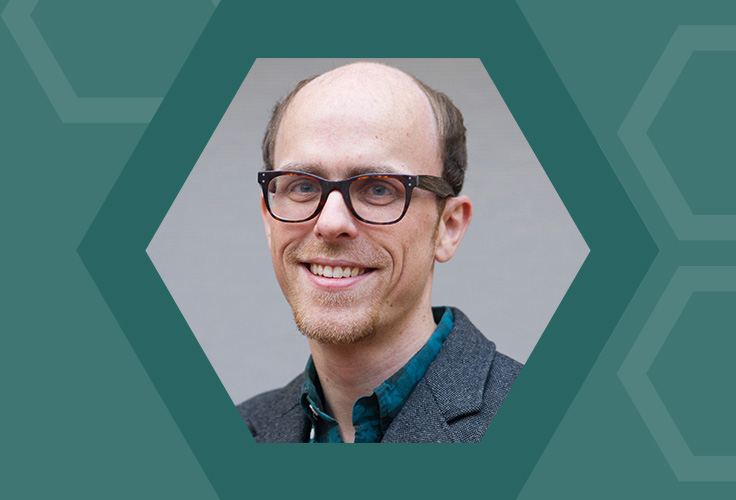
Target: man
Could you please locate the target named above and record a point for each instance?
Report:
(360, 197)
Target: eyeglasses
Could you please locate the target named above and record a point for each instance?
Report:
(372, 198)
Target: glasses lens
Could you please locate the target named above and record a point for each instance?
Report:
(378, 198)
(293, 197)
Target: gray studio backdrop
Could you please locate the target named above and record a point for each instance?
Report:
(510, 273)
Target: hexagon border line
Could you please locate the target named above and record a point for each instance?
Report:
(69, 107)
(633, 373)
(633, 132)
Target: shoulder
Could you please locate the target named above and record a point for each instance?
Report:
(275, 416)
(502, 369)
(460, 393)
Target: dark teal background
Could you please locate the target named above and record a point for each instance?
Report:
(106, 393)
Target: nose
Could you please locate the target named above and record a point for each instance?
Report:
(335, 220)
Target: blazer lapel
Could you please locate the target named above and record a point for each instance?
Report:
(452, 388)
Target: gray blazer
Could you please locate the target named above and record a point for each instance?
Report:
(454, 402)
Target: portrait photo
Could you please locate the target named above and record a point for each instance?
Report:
(297, 219)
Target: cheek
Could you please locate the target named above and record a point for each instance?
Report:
(284, 235)
(282, 239)
(414, 260)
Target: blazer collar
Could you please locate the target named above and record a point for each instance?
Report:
(290, 425)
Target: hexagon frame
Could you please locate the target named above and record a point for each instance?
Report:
(633, 373)
(113, 249)
(633, 133)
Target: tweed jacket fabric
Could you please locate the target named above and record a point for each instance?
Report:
(454, 402)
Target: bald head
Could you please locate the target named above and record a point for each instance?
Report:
(381, 88)
(357, 108)
(378, 79)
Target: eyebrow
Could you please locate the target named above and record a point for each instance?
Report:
(351, 172)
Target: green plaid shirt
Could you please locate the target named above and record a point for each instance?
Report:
(373, 414)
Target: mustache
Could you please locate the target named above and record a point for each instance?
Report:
(366, 257)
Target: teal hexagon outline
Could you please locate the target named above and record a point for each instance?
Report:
(633, 133)
(69, 107)
(633, 373)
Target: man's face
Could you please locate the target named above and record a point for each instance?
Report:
(339, 128)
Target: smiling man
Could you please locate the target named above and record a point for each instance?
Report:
(364, 165)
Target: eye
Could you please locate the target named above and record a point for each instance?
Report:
(299, 189)
(378, 190)
(304, 187)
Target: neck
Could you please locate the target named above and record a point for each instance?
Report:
(350, 371)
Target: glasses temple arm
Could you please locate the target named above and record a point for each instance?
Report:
(437, 185)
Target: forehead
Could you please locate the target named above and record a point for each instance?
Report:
(359, 117)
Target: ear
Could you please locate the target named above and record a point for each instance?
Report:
(267, 220)
(454, 221)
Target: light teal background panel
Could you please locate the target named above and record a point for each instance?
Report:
(121, 49)
(80, 417)
(608, 446)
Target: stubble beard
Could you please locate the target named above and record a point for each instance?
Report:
(334, 317)
(325, 328)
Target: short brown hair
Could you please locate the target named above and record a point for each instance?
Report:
(450, 127)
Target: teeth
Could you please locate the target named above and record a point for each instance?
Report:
(335, 272)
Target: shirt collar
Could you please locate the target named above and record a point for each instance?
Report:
(373, 414)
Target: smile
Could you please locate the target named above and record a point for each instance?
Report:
(336, 271)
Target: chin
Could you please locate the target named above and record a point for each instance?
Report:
(330, 327)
